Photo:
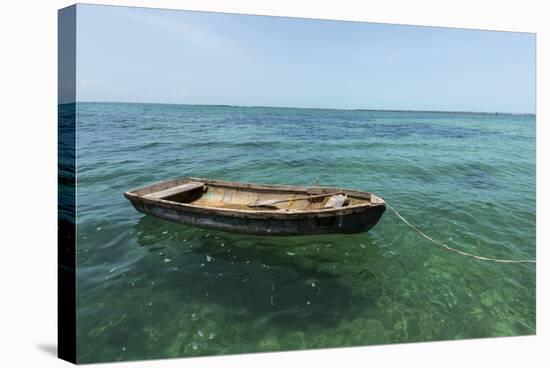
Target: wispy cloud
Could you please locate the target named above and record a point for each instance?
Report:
(181, 29)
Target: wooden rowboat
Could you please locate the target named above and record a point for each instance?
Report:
(259, 209)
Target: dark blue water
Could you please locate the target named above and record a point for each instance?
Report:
(148, 288)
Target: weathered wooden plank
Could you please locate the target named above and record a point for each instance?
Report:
(272, 202)
(174, 190)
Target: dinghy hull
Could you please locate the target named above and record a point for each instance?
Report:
(226, 206)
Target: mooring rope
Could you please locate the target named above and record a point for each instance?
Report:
(453, 249)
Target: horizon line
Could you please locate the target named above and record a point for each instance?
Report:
(312, 108)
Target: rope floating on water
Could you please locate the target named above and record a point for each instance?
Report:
(453, 249)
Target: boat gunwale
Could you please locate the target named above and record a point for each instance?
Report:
(278, 214)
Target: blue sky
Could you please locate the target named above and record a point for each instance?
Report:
(169, 56)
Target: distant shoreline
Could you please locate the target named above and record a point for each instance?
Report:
(314, 108)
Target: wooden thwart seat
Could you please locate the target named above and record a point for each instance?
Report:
(174, 190)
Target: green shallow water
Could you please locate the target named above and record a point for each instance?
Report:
(147, 288)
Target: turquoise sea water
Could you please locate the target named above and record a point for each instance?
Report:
(147, 288)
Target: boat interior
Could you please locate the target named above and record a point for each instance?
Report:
(253, 197)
